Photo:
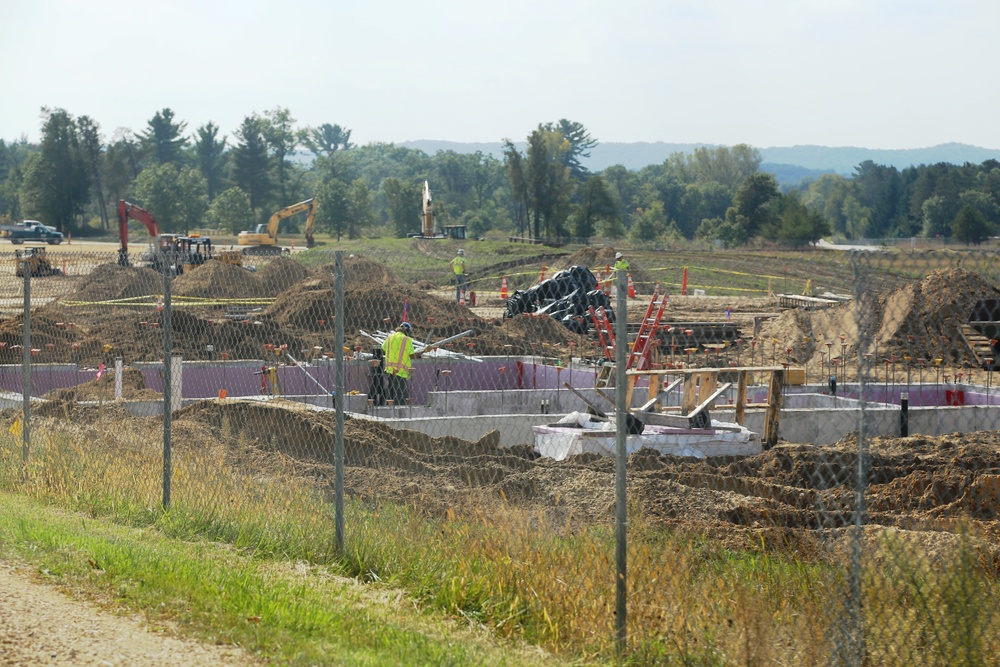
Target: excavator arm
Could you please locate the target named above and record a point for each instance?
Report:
(287, 212)
(310, 223)
(127, 210)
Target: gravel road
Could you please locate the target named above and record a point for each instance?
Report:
(41, 626)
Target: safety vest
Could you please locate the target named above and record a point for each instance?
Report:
(398, 347)
(458, 264)
(621, 265)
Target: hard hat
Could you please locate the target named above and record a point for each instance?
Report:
(406, 325)
(461, 252)
(618, 255)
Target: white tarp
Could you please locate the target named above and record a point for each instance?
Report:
(581, 435)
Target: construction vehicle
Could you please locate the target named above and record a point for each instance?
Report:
(180, 251)
(32, 230)
(264, 239)
(126, 211)
(34, 262)
(428, 229)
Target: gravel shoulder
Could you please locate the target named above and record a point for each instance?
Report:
(41, 626)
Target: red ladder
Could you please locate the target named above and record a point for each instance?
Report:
(605, 335)
(638, 358)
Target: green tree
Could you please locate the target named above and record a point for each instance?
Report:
(93, 156)
(121, 164)
(514, 167)
(282, 138)
(732, 233)
(333, 207)
(361, 211)
(192, 198)
(156, 190)
(402, 205)
(794, 223)
(751, 203)
(548, 182)
(164, 137)
(648, 224)
(580, 143)
(326, 139)
(230, 210)
(210, 154)
(938, 214)
(701, 201)
(970, 226)
(55, 181)
(251, 162)
(596, 204)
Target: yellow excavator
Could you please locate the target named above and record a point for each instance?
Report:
(264, 240)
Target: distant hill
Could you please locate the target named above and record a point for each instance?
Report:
(785, 162)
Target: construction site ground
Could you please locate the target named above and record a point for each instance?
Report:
(795, 497)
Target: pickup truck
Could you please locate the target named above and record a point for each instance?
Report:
(32, 230)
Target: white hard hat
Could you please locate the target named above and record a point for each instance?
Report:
(618, 255)
(461, 252)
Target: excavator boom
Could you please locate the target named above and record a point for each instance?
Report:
(267, 242)
(128, 210)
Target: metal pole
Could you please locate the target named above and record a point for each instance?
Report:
(621, 385)
(338, 348)
(168, 349)
(26, 370)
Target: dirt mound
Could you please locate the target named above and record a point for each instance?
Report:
(922, 320)
(917, 481)
(925, 320)
(110, 281)
(103, 389)
(280, 273)
(218, 280)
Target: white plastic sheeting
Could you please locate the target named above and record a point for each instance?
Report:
(578, 433)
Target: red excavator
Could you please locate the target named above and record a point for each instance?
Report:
(126, 211)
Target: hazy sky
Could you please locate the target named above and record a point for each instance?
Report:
(868, 73)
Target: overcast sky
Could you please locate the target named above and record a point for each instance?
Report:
(867, 73)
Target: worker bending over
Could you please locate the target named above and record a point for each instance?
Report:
(398, 349)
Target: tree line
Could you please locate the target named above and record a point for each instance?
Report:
(73, 177)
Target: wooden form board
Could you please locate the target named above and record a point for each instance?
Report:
(701, 387)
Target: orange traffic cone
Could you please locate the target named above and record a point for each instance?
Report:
(461, 298)
(542, 277)
(631, 287)
(503, 288)
(605, 283)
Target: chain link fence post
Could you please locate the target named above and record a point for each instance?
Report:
(340, 395)
(26, 370)
(621, 509)
(167, 260)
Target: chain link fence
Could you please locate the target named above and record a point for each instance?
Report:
(810, 474)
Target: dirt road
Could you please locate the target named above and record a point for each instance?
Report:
(40, 626)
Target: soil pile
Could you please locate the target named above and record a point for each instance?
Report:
(921, 320)
(218, 280)
(916, 483)
(110, 281)
(103, 388)
(279, 274)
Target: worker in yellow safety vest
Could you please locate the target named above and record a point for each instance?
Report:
(621, 264)
(398, 349)
(458, 266)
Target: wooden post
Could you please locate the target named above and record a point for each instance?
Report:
(773, 415)
(741, 397)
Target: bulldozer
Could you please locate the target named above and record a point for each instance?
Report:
(34, 262)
